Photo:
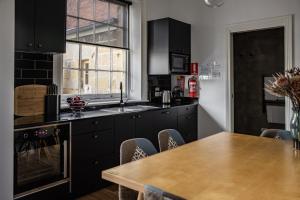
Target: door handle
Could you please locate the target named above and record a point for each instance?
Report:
(29, 44)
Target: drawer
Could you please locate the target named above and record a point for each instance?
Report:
(103, 142)
(187, 110)
(93, 124)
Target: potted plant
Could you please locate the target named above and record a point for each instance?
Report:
(288, 85)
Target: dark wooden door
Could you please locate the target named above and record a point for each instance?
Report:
(50, 23)
(257, 54)
(24, 25)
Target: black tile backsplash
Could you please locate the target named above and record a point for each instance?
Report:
(33, 68)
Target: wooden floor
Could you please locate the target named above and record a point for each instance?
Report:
(109, 193)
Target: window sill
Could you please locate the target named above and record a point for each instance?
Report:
(106, 103)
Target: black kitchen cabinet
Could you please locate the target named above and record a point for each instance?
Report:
(96, 141)
(166, 37)
(92, 152)
(124, 130)
(187, 123)
(40, 25)
(145, 126)
(179, 37)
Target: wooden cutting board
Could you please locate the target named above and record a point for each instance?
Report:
(30, 100)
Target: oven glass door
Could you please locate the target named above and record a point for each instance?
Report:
(179, 63)
(41, 157)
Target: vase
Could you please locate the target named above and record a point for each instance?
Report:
(295, 127)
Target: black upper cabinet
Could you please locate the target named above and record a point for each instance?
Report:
(24, 25)
(40, 25)
(180, 37)
(166, 37)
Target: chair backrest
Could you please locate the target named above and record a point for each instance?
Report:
(131, 150)
(277, 134)
(169, 139)
(154, 193)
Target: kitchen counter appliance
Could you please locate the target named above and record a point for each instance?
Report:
(41, 158)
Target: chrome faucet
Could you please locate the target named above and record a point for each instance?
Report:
(122, 104)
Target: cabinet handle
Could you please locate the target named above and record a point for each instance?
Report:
(40, 45)
(96, 122)
(96, 136)
(96, 162)
(133, 117)
(29, 44)
(139, 116)
(189, 117)
(166, 112)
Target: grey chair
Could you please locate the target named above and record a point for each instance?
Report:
(277, 134)
(131, 150)
(154, 193)
(169, 139)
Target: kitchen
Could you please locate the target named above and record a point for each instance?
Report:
(108, 77)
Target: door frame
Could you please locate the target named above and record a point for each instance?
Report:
(275, 22)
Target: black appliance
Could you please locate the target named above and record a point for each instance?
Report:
(179, 63)
(41, 158)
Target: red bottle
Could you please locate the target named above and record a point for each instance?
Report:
(194, 68)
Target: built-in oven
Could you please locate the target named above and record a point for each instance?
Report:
(179, 63)
(41, 158)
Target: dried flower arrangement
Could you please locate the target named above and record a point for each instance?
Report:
(288, 85)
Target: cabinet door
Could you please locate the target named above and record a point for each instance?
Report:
(145, 127)
(83, 165)
(165, 119)
(180, 37)
(124, 130)
(50, 25)
(187, 126)
(24, 25)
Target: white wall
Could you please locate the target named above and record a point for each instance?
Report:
(6, 97)
(209, 42)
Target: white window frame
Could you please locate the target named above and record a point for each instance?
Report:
(95, 98)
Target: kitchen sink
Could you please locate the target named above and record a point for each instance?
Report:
(127, 109)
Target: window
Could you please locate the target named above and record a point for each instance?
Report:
(96, 58)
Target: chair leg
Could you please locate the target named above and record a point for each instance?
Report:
(140, 196)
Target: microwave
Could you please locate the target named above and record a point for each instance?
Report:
(179, 63)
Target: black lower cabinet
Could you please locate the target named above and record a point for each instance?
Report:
(124, 127)
(91, 153)
(145, 126)
(187, 126)
(96, 142)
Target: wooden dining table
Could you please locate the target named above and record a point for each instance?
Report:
(225, 166)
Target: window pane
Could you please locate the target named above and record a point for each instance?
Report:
(72, 7)
(88, 57)
(88, 81)
(101, 11)
(86, 31)
(86, 9)
(102, 34)
(118, 15)
(117, 77)
(71, 28)
(71, 57)
(103, 82)
(103, 58)
(118, 37)
(119, 60)
(70, 81)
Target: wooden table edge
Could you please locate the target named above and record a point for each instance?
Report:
(110, 176)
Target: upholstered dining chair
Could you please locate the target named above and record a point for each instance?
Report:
(169, 139)
(277, 134)
(132, 150)
(154, 193)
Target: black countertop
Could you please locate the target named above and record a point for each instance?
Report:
(40, 120)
